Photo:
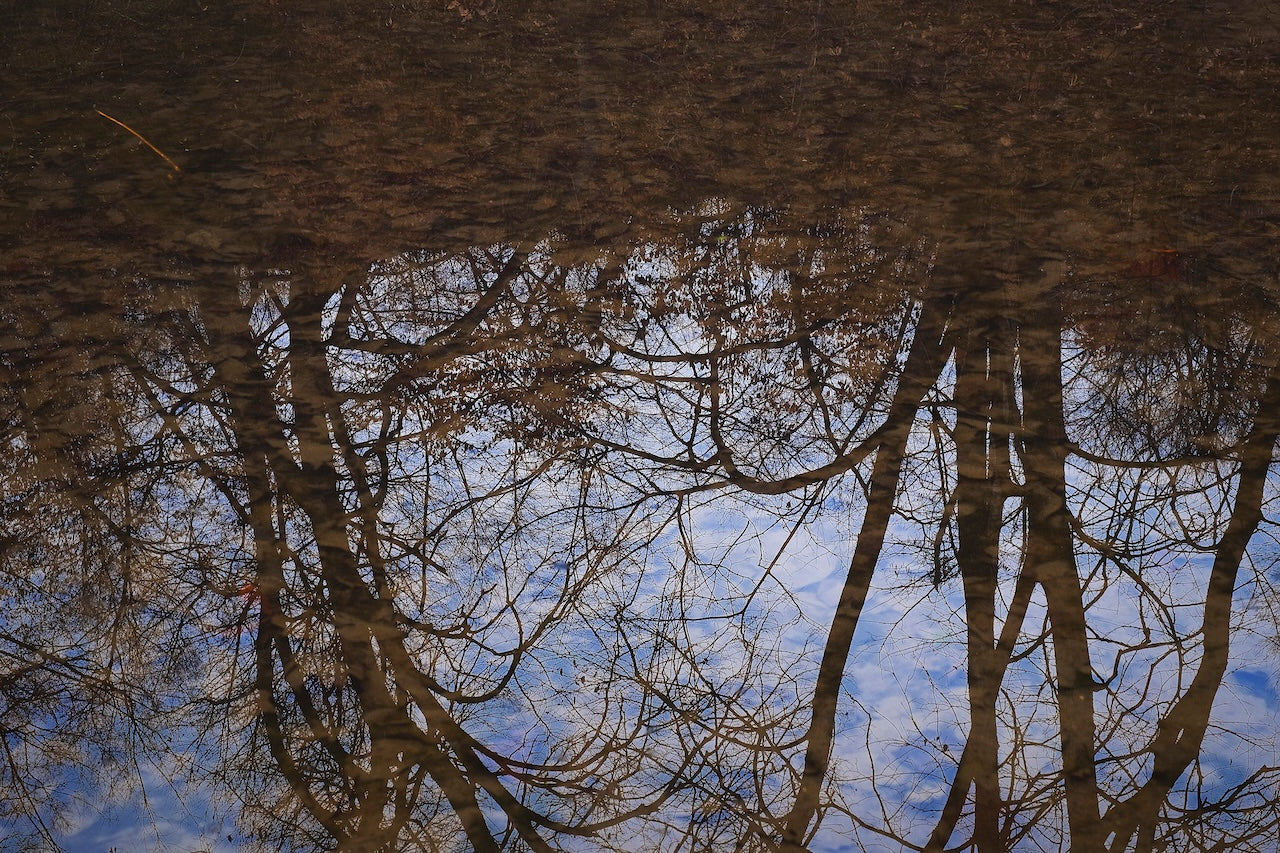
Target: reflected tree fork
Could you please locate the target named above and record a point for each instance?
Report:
(987, 422)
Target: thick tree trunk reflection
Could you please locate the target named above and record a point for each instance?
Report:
(1050, 560)
(1180, 731)
(368, 642)
(984, 397)
(925, 359)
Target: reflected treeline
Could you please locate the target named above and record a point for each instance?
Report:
(677, 426)
(423, 552)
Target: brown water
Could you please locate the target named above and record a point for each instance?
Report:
(667, 426)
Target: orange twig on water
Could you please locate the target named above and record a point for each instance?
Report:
(142, 138)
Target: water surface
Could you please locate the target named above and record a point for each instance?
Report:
(668, 426)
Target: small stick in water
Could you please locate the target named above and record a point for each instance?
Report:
(144, 140)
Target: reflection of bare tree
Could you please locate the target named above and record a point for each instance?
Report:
(1147, 816)
(922, 365)
(412, 565)
(1010, 442)
(93, 641)
(1054, 539)
(455, 543)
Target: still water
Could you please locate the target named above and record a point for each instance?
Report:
(668, 426)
